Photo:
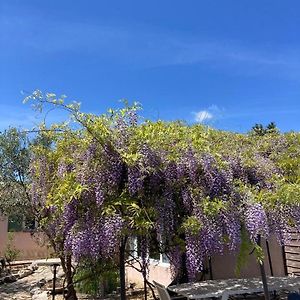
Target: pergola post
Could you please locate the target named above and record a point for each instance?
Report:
(269, 258)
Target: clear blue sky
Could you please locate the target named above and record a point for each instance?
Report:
(227, 63)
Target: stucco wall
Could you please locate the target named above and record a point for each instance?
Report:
(3, 234)
(223, 267)
(158, 272)
(30, 247)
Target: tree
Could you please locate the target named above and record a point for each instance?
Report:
(14, 168)
(16, 195)
(65, 181)
(200, 190)
(272, 128)
(260, 130)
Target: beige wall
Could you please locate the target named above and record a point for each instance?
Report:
(3, 234)
(158, 272)
(30, 247)
(223, 267)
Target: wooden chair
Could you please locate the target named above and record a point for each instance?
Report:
(164, 294)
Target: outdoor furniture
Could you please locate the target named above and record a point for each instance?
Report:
(228, 287)
(54, 263)
(294, 296)
(164, 294)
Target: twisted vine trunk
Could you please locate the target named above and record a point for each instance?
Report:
(66, 263)
(263, 274)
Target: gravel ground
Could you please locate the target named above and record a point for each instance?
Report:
(21, 289)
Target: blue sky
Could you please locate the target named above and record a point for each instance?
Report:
(229, 64)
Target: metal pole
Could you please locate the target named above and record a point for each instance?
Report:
(54, 280)
(269, 258)
(210, 268)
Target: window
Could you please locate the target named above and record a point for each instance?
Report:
(153, 252)
(154, 247)
(165, 259)
(21, 223)
(15, 223)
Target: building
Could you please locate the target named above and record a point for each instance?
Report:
(29, 245)
(280, 261)
(222, 266)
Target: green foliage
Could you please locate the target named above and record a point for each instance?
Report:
(97, 278)
(289, 193)
(272, 128)
(258, 153)
(260, 130)
(259, 253)
(246, 248)
(67, 188)
(213, 207)
(191, 224)
(11, 253)
(14, 168)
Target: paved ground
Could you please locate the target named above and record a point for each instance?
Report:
(20, 290)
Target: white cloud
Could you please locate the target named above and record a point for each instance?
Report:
(211, 113)
(203, 115)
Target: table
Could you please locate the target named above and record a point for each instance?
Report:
(225, 288)
(53, 263)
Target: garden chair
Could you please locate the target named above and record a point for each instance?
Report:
(164, 294)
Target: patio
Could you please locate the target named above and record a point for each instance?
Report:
(230, 287)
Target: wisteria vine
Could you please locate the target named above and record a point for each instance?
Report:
(143, 178)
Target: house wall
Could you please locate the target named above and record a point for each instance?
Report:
(159, 272)
(3, 234)
(30, 247)
(223, 267)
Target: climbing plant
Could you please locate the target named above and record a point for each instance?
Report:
(106, 178)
